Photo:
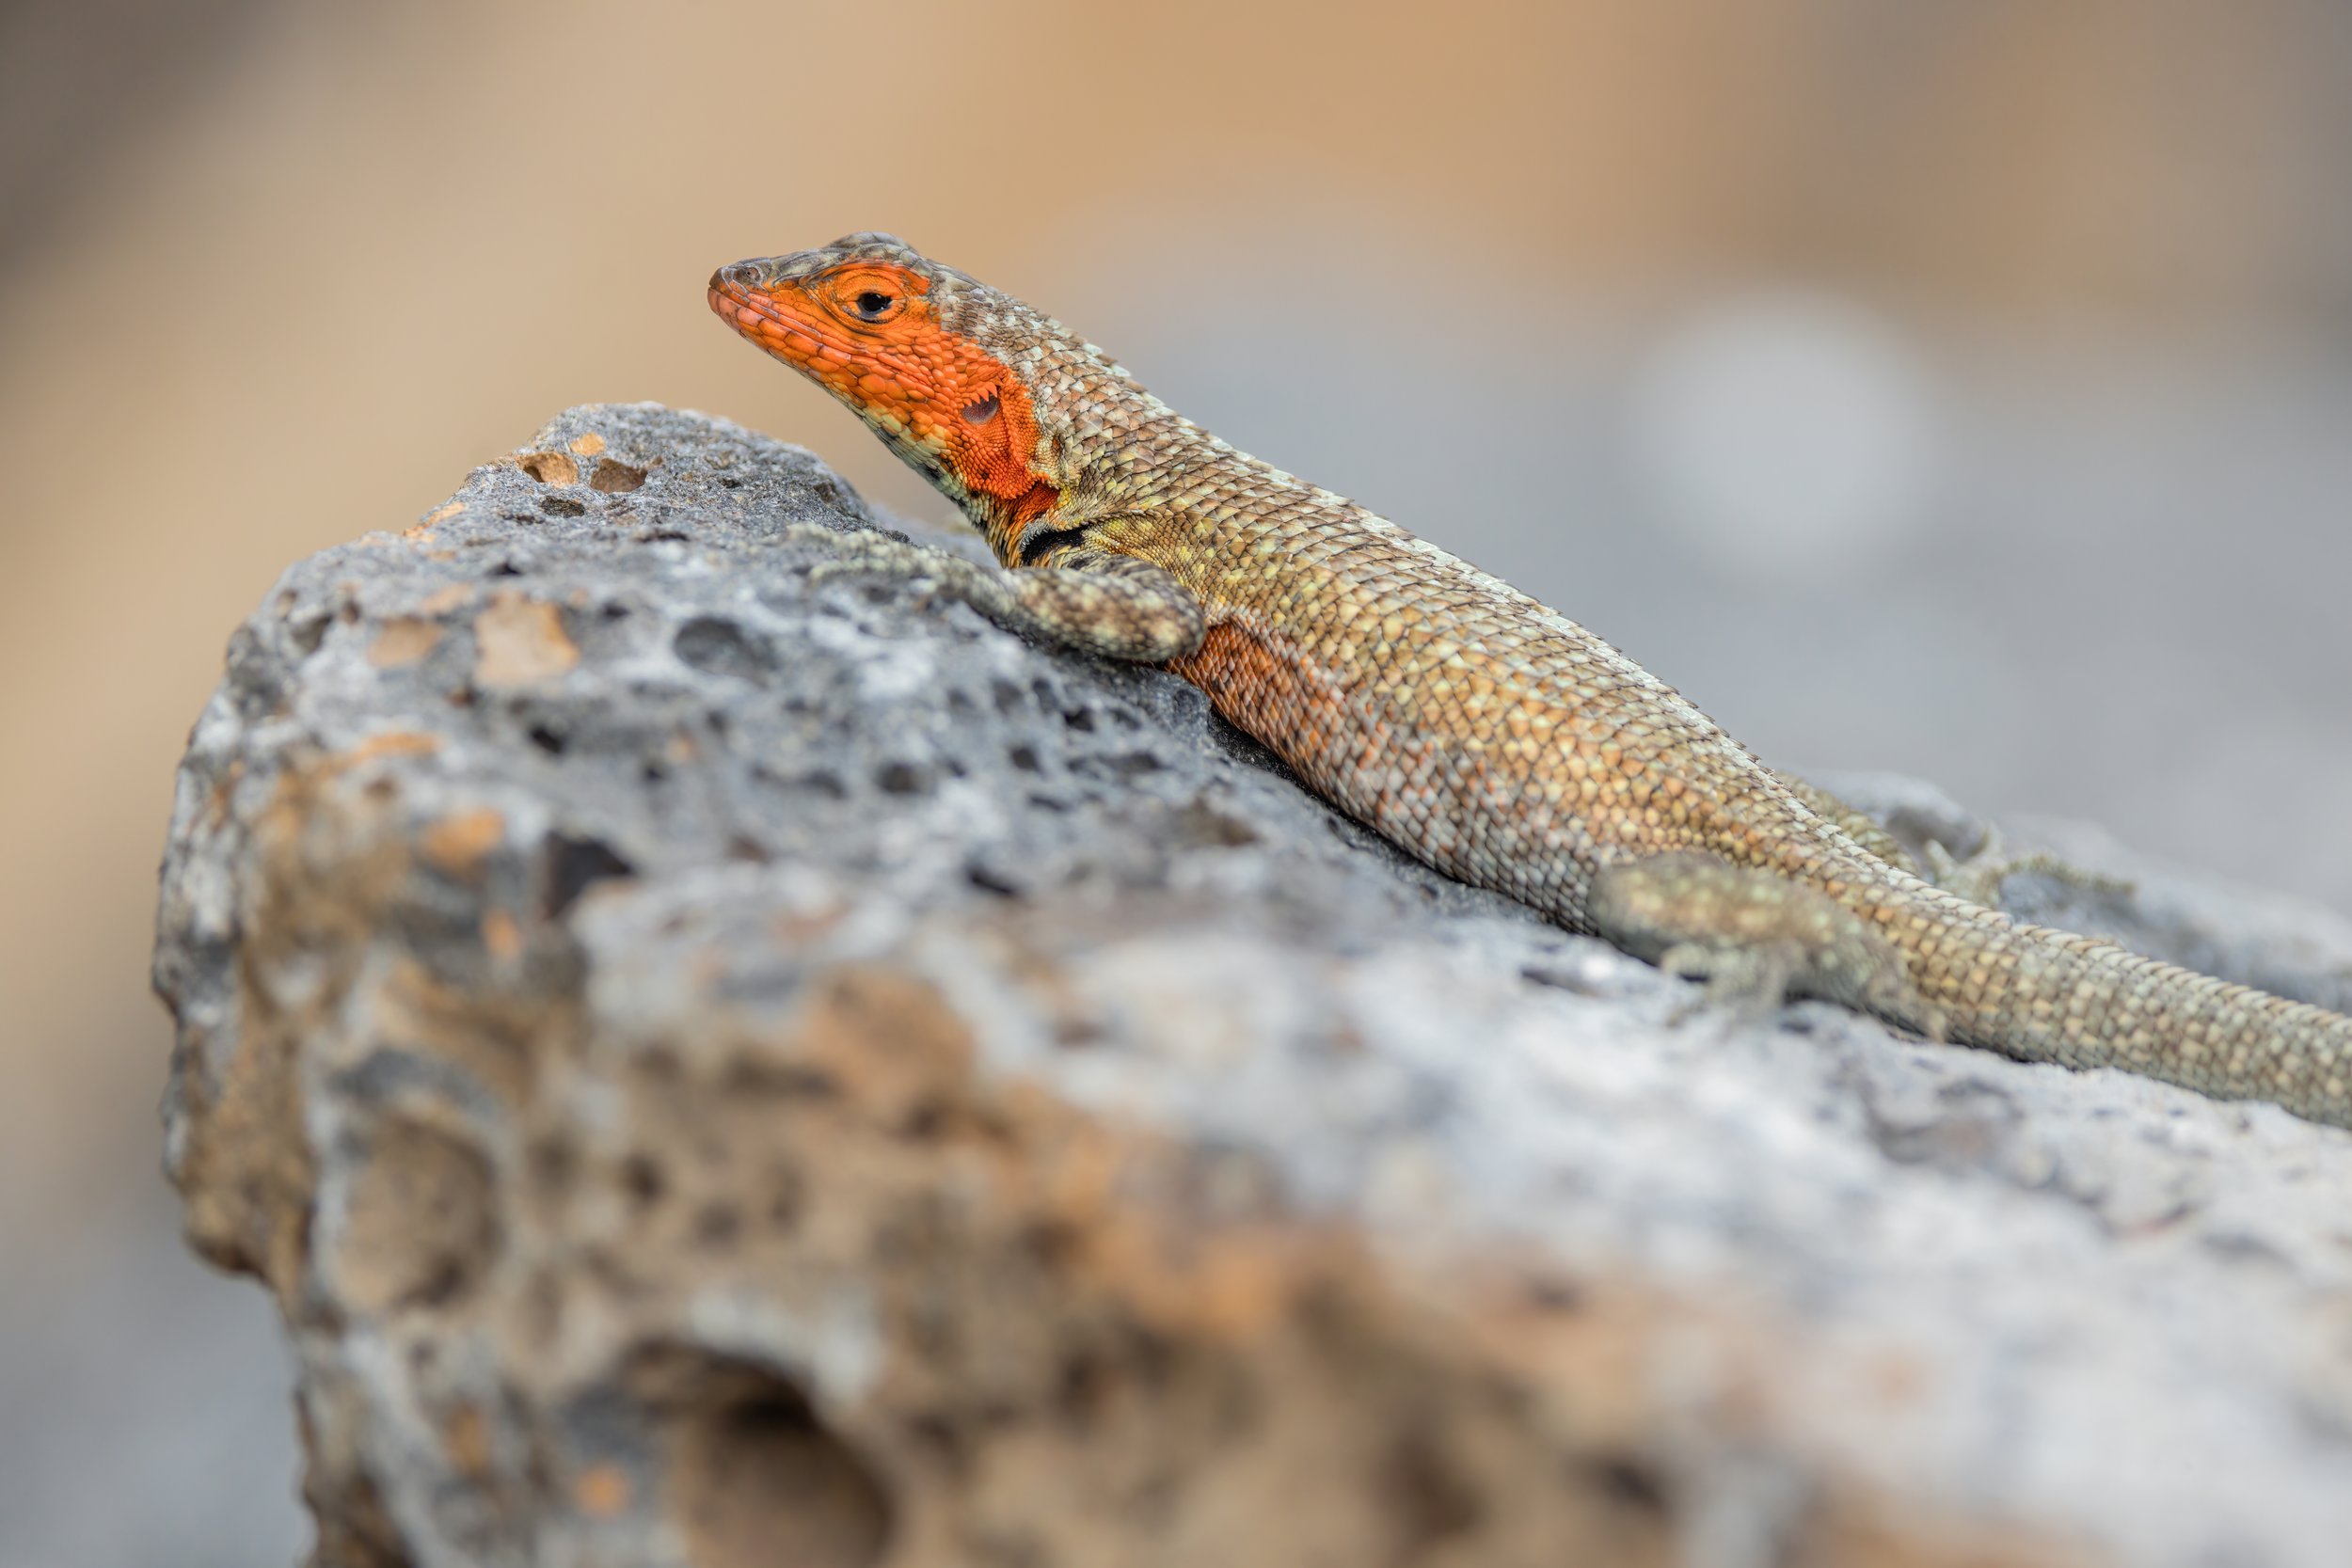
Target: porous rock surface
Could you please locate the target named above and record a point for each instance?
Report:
(720, 1069)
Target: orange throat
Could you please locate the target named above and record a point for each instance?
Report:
(928, 388)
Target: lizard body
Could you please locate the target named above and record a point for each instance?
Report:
(1472, 726)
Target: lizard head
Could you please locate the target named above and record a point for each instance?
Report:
(939, 365)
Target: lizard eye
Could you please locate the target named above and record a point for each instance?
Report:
(872, 304)
(981, 412)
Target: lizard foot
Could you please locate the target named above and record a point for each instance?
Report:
(868, 553)
(937, 577)
(1979, 878)
(1114, 606)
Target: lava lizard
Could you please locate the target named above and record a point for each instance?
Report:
(1478, 730)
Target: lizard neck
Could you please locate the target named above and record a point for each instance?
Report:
(1115, 453)
(1002, 522)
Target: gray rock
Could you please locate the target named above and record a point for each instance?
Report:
(717, 1069)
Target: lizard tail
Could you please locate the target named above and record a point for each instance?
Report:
(2051, 996)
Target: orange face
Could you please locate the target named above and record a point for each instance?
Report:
(867, 332)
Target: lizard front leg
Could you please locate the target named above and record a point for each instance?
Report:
(1094, 600)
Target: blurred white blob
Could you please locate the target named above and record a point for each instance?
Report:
(1784, 431)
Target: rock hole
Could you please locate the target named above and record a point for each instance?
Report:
(562, 506)
(941, 1438)
(552, 742)
(1025, 759)
(1555, 1295)
(420, 1228)
(1201, 825)
(1080, 1390)
(751, 1075)
(992, 881)
(660, 536)
(615, 478)
(308, 633)
(1080, 720)
(548, 468)
(754, 1479)
(1631, 1482)
(730, 484)
(926, 1121)
(554, 1162)
(788, 1197)
(1424, 1495)
(575, 866)
(902, 778)
(642, 1177)
(1052, 1245)
(717, 1225)
(642, 1180)
(717, 647)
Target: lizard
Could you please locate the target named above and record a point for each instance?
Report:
(1478, 730)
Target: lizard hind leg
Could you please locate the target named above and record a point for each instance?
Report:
(1755, 938)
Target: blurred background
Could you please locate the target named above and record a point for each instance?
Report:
(1960, 387)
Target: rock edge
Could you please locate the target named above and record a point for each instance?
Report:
(718, 1071)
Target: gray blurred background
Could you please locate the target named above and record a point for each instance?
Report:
(1961, 386)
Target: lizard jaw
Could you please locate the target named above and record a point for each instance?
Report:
(788, 340)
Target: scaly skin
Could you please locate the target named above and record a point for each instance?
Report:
(1473, 727)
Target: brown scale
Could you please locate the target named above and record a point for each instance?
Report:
(1473, 727)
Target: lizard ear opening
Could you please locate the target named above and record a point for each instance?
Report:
(991, 444)
(986, 439)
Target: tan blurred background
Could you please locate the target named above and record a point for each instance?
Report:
(1961, 387)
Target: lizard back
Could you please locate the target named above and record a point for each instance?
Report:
(1472, 726)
